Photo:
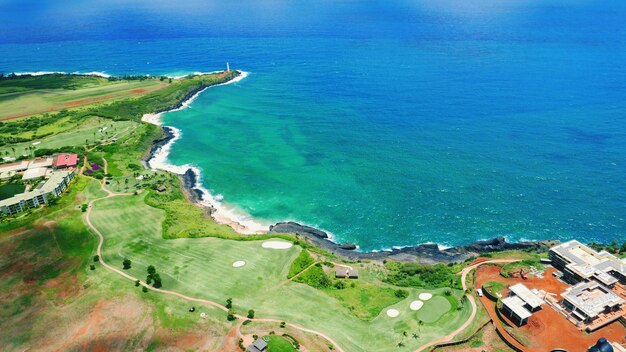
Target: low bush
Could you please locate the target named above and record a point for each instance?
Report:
(303, 261)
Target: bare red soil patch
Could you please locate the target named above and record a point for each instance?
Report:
(139, 91)
(547, 329)
(88, 100)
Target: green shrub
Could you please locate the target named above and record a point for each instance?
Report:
(314, 277)
(303, 261)
(420, 275)
(400, 293)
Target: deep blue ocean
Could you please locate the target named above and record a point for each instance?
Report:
(386, 123)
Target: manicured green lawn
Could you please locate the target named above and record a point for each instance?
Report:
(278, 344)
(434, 309)
(363, 299)
(494, 287)
(202, 267)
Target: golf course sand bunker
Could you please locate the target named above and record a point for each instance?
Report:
(239, 264)
(277, 245)
(425, 296)
(393, 313)
(416, 305)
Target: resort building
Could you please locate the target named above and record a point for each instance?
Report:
(581, 263)
(521, 303)
(34, 173)
(589, 301)
(51, 188)
(10, 170)
(66, 160)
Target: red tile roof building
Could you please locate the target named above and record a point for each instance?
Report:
(66, 160)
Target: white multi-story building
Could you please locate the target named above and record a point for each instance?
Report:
(53, 187)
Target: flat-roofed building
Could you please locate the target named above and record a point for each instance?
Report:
(14, 168)
(34, 173)
(531, 301)
(51, 188)
(588, 300)
(41, 162)
(515, 308)
(581, 263)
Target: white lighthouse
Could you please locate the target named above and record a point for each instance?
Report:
(227, 67)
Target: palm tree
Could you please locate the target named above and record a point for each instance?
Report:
(420, 323)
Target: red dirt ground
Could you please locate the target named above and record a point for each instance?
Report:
(88, 100)
(548, 329)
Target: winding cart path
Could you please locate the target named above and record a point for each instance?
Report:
(177, 294)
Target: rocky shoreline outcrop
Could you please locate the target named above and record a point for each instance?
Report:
(168, 135)
(425, 253)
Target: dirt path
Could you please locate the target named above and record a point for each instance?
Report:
(301, 272)
(173, 293)
(82, 169)
(470, 298)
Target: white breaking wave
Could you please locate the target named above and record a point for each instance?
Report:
(223, 213)
(41, 73)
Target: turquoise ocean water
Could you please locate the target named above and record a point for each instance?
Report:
(385, 123)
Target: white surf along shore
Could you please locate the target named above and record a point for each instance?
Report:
(224, 213)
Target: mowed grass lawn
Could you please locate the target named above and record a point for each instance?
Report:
(92, 129)
(202, 267)
(31, 102)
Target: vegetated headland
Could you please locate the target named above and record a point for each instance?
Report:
(427, 253)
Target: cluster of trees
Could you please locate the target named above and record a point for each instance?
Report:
(129, 78)
(315, 277)
(420, 275)
(29, 124)
(127, 263)
(303, 261)
(613, 248)
(153, 277)
(231, 315)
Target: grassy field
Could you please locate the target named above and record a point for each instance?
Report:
(93, 130)
(50, 297)
(202, 267)
(21, 103)
(279, 344)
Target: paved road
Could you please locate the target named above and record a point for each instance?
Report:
(470, 298)
(173, 293)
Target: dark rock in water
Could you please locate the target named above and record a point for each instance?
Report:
(295, 228)
(168, 135)
(348, 246)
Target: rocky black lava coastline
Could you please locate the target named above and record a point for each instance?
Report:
(425, 253)
(168, 135)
